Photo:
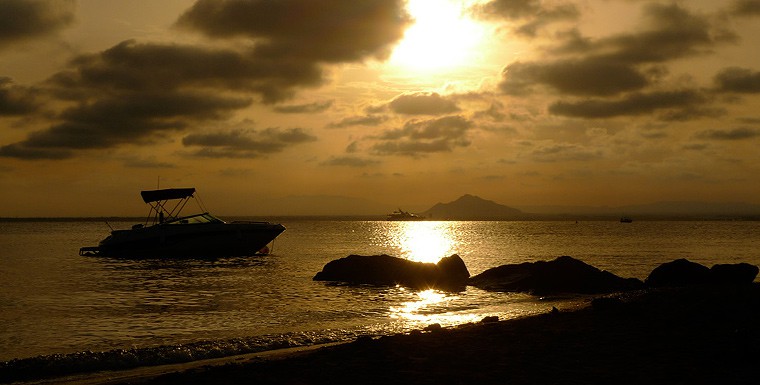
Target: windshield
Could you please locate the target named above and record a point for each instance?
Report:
(194, 220)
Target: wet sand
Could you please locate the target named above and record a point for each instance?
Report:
(703, 335)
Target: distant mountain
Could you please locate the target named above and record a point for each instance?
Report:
(471, 207)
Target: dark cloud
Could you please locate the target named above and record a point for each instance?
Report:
(19, 150)
(630, 105)
(131, 118)
(670, 32)
(621, 63)
(531, 15)
(735, 79)
(16, 100)
(495, 112)
(423, 104)
(309, 108)
(367, 120)
(307, 31)
(746, 8)
(742, 133)
(131, 66)
(590, 76)
(132, 92)
(245, 143)
(417, 138)
(350, 161)
(25, 19)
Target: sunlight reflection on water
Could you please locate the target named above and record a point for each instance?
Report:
(431, 306)
(422, 241)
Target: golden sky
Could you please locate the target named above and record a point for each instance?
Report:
(524, 102)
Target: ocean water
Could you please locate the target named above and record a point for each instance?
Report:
(60, 307)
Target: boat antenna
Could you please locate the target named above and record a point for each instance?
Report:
(158, 183)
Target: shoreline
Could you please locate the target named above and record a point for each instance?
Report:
(704, 334)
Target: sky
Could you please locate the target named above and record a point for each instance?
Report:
(523, 102)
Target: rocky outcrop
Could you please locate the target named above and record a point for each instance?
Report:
(562, 275)
(449, 273)
(683, 272)
(739, 273)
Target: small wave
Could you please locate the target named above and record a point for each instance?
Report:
(58, 365)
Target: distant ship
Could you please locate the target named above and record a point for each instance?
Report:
(626, 220)
(401, 215)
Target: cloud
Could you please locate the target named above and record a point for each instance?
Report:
(26, 19)
(630, 105)
(613, 65)
(564, 152)
(350, 161)
(19, 150)
(417, 137)
(531, 14)
(310, 108)
(132, 92)
(305, 31)
(130, 118)
(735, 79)
(245, 143)
(589, 76)
(670, 32)
(423, 103)
(133, 66)
(367, 120)
(16, 100)
(742, 133)
(746, 8)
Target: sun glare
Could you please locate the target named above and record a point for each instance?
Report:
(425, 241)
(442, 36)
(432, 306)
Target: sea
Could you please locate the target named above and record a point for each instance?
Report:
(69, 312)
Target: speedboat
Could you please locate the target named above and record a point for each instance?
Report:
(167, 234)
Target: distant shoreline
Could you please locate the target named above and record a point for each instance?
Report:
(526, 218)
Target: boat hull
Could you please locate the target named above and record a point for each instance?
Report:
(211, 240)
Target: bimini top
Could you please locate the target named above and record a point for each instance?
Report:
(168, 193)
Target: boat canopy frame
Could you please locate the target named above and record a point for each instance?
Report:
(160, 208)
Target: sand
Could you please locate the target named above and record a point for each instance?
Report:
(699, 335)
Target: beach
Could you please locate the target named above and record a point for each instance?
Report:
(697, 335)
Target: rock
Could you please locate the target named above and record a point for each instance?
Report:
(449, 273)
(680, 272)
(562, 275)
(733, 274)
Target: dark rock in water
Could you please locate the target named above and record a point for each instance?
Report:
(680, 272)
(449, 273)
(562, 275)
(733, 274)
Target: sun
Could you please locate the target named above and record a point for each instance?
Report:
(442, 37)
